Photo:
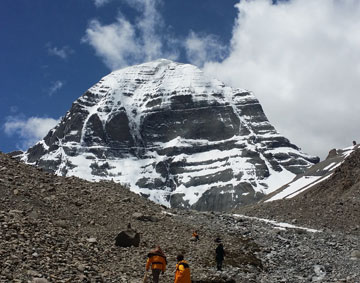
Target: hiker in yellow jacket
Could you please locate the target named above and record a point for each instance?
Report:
(157, 260)
(182, 273)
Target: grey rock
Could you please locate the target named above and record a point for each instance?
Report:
(40, 280)
(91, 240)
(355, 255)
(142, 217)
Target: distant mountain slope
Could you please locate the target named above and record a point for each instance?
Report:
(330, 200)
(314, 175)
(173, 135)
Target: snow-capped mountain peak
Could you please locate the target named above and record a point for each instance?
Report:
(173, 135)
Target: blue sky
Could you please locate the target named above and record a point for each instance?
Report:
(300, 58)
(46, 65)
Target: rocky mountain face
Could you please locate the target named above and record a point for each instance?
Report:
(330, 199)
(173, 135)
(63, 229)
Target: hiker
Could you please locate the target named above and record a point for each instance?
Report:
(220, 253)
(195, 236)
(182, 273)
(354, 143)
(157, 260)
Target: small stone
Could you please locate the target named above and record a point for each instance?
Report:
(33, 273)
(15, 211)
(355, 255)
(91, 240)
(39, 280)
(137, 215)
(61, 223)
(83, 278)
(80, 267)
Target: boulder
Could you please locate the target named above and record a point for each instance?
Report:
(39, 280)
(355, 255)
(127, 238)
(142, 217)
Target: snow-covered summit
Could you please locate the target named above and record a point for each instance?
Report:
(174, 135)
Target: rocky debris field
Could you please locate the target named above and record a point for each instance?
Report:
(55, 229)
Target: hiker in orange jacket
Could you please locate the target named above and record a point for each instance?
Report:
(157, 260)
(182, 273)
(195, 236)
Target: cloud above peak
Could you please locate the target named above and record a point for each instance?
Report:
(61, 52)
(123, 42)
(114, 43)
(302, 60)
(100, 3)
(203, 48)
(147, 38)
(55, 87)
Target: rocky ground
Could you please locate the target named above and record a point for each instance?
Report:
(55, 229)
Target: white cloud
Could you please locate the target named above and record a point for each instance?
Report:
(202, 48)
(122, 43)
(62, 52)
(149, 23)
(114, 43)
(302, 60)
(29, 131)
(99, 3)
(57, 85)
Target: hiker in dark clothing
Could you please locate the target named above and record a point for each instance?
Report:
(220, 253)
(157, 261)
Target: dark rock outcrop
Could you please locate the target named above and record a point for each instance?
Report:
(127, 238)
